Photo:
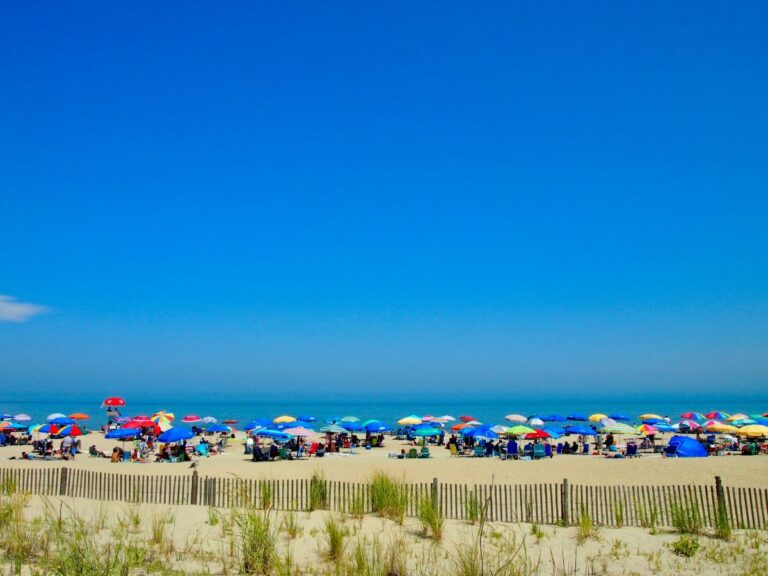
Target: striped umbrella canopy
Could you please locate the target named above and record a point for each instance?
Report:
(647, 429)
(697, 416)
(71, 430)
(55, 415)
(690, 425)
(46, 429)
(735, 417)
(717, 415)
(519, 418)
(164, 420)
(619, 428)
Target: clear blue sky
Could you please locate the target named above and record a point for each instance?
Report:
(271, 196)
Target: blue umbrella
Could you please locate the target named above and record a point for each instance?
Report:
(46, 429)
(306, 418)
(664, 427)
(618, 416)
(377, 426)
(578, 417)
(481, 432)
(554, 430)
(258, 423)
(653, 421)
(122, 433)
(176, 435)
(62, 421)
(6, 416)
(218, 428)
(554, 418)
(352, 426)
(274, 434)
(580, 430)
(426, 431)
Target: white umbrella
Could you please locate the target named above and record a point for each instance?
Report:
(447, 418)
(22, 418)
(55, 415)
(209, 420)
(516, 418)
(536, 422)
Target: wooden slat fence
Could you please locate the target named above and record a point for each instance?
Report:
(545, 503)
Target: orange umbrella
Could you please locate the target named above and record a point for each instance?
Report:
(79, 416)
(459, 426)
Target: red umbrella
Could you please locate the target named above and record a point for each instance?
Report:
(192, 418)
(467, 418)
(71, 430)
(113, 401)
(537, 434)
(229, 421)
(144, 424)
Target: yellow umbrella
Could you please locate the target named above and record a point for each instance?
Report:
(722, 428)
(651, 416)
(736, 417)
(284, 419)
(597, 417)
(753, 431)
(409, 421)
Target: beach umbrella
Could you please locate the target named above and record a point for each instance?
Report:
(219, 428)
(79, 416)
(743, 422)
(653, 421)
(619, 417)
(689, 424)
(208, 420)
(121, 434)
(274, 434)
(518, 418)
(580, 430)
(519, 430)
(376, 427)
(300, 431)
(258, 423)
(753, 431)
(191, 419)
(332, 419)
(113, 402)
(647, 429)
(62, 421)
(607, 422)
(139, 424)
(722, 428)
(333, 429)
(578, 417)
(163, 419)
(687, 447)
(306, 418)
(554, 418)
(352, 426)
(350, 419)
(483, 432)
(6, 425)
(427, 418)
(597, 417)
(411, 420)
(285, 419)
(176, 434)
(71, 430)
(449, 418)
(22, 417)
(54, 416)
(697, 416)
(426, 431)
(6, 416)
(460, 426)
(536, 422)
(651, 416)
(717, 415)
(48, 429)
(665, 427)
(229, 421)
(619, 428)
(537, 434)
(467, 418)
(759, 418)
(554, 431)
(735, 417)
(499, 429)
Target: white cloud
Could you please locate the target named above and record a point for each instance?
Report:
(13, 311)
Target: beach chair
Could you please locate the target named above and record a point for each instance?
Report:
(539, 451)
(479, 452)
(453, 450)
(283, 454)
(586, 449)
(319, 452)
(424, 453)
(126, 456)
(548, 450)
(374, 442)
(201, 450)
(412, 453)
(512, 450)
(559, 448)
(313, 449)
(632, 450)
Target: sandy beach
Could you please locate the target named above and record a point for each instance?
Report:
(652, 469)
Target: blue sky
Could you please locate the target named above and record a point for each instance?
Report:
(357, 195)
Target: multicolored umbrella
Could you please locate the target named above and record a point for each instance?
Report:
(71, 430)
(690, 425)
(717, 415)
(647, 429)
(697, 416)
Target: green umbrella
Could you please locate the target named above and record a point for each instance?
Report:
(519, 430)
(619, 428)
(333, 429)
(426, 431)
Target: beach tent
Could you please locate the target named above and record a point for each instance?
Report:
(685, 447)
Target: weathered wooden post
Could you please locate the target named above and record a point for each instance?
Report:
(435, 495)
(63, 481)
(720, 492)
(565, 503)
(195, 488)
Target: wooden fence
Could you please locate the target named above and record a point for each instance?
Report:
(553, 503)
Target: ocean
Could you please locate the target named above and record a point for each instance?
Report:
(486, 410)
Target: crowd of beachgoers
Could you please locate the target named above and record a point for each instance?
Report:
(161, 438)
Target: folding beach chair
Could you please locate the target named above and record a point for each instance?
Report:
(412, 453)
(424, 453)
(453, 449)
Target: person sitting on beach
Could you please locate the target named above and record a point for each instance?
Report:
(274, 452)
(613, 452)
